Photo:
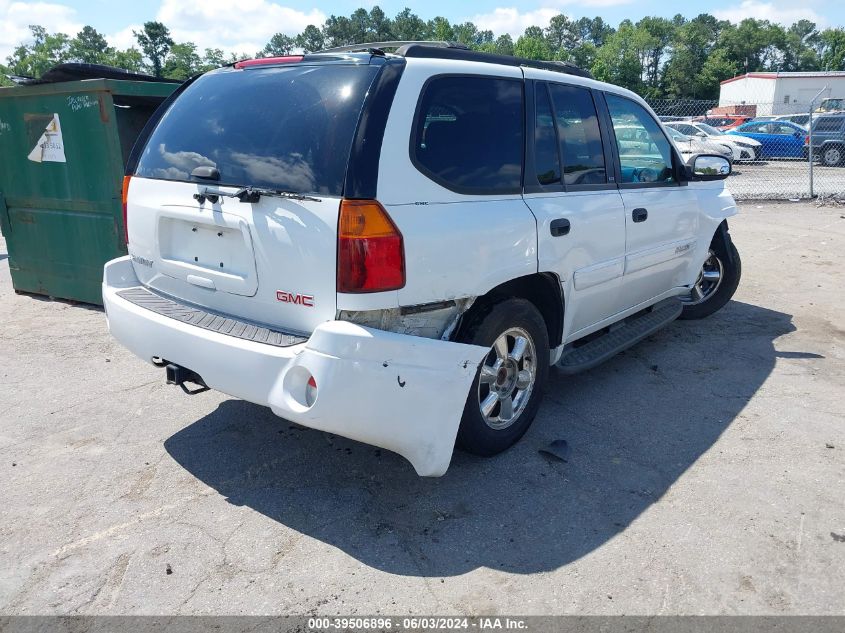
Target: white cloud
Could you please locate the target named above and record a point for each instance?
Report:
(124, 38)
(514, 22)
(244, 26)
(510, 20)
(15, 18)
(772, 11)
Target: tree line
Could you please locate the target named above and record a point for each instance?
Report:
(655, 57)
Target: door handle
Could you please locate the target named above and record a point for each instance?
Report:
(639, 215)
(559, 227)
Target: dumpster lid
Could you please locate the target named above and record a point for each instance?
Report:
(74, 71)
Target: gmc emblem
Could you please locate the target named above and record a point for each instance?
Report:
(297, 299)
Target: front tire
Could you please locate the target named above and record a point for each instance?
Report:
(507, 389)
(716, 284)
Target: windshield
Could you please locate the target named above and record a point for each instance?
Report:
(710, 130)
(831, 104)
(288, 128)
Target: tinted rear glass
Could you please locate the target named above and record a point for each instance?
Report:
(580, 139)
(287, 128)
(832, 124)
(468, 134)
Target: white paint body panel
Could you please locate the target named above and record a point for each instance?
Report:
(456, 245)
(589, 260)
(374, 387)
(272, 245)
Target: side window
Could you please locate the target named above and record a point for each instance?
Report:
(645, 154)
(754, 128)
(785, 129)
(546, 157)
(689, 130)
(468, 134)
(580, 139)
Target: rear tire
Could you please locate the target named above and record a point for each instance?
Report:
(508, 387)
(833, 156)
(710, 294)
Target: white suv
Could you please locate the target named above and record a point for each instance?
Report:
(396, 247)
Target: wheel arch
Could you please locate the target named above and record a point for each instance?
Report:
(722, 241)
(543, 290)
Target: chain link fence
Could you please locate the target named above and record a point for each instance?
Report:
(768, 141)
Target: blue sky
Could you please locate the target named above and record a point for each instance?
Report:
(244, 26)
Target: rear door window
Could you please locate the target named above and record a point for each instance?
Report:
(288, 127)
(833, 124)
(754, 128)
(546, 157)
(468, 134)
(580, 138)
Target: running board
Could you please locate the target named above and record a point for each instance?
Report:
(621, 336)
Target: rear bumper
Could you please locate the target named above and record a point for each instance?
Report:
(402, 393)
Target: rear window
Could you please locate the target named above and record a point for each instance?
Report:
(832, 124)
(468, 134)
(288, 128)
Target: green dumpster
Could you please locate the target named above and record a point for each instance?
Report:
(63, 147)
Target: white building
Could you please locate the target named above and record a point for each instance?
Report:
(780, 93)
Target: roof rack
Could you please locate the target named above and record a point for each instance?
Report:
(424, 50)
(456, 50)
(368, 46)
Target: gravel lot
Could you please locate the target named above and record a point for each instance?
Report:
(706, 475)
(784, 179)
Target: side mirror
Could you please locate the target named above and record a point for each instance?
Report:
(701, 135)
(708, 167)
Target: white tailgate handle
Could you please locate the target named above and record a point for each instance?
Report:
(202, 282)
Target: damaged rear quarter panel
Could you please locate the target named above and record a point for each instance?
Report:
(433, 320)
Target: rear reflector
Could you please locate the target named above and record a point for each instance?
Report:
(310, 392)
(269, 61)
(370, 252)
(123, 196)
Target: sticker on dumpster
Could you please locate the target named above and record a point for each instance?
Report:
(50, 148)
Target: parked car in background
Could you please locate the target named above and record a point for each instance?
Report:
(778, 139)
(742, 148)
(799, 119)
(725, 122)
(831, 105)
(690, 145)
(828, 140)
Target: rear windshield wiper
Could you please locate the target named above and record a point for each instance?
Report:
(251, 194)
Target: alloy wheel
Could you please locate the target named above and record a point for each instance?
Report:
(708, 282)
(507, 378)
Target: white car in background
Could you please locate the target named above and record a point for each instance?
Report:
(742, 148)
(689, 146)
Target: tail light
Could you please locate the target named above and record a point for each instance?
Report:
(123, 196)
(806, 140)
(370, 252)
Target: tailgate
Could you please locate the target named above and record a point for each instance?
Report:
(272, 262)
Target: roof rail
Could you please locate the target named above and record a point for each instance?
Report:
(463, 53)
(366, 46)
